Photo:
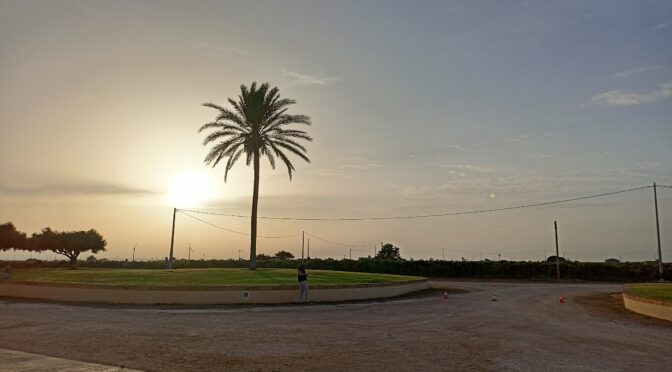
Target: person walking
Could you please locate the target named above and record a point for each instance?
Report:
(303, 283)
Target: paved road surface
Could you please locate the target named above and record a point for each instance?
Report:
(18, 361)
(527, 329)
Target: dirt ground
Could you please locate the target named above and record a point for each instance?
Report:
(525, 330)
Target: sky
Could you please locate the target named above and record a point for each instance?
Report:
(417, 108)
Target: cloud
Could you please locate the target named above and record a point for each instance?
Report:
(519, 138)
(634, 71)
(299, 79)
(467, 168)
(620, 98)
(456, 147)
(347, 167)
(219, 50)
(659, 26)
(82, 188)
(534, 136)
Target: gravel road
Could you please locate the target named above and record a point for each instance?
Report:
(526, 329)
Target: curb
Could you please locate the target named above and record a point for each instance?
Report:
(649, 307)
(281, 294)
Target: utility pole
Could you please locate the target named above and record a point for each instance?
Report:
(303, 240)
(660, 255)
(133, 259)
(172, 240)
(309, 248)
(557, 250)
(239, 255)
(351, 253)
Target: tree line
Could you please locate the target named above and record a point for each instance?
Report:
(67, 243)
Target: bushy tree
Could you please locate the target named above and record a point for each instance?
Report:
(284, 255)
(389, 252)
(262, 256)
(552, 259)
(69, 243)
(11, 238)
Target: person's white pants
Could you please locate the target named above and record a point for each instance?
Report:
(303, 286)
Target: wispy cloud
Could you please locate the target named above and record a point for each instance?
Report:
(634, 71)
(519, 138)
(299, 79)
(464, 168)
(539, 156)
(457, 147)
(659, 26)
(533, 136)
(73, 189)
(620, 98)
(348, 166)
(219, 50)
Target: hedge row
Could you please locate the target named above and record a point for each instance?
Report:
(621, 272)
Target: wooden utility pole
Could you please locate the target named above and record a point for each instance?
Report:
(303, 240)
(172, 241)
(133, 259)
(660, 254)
(309, 248)
(351, 253)
(557, 250)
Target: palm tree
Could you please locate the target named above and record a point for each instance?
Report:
(256, 126)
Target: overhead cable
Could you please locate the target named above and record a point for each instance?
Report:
(424, 215)
(236, 232)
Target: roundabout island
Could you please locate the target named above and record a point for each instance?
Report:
(202, 286)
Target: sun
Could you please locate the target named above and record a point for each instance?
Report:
(190, 189)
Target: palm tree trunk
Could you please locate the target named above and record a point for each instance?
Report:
(253, 220)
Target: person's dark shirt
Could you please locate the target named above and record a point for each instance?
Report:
(303, 277)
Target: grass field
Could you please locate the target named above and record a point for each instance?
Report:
(658, 291)
(199, 277)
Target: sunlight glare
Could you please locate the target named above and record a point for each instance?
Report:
(190, 189)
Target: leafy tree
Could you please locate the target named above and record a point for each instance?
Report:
(10, 238)
(69, 244)
(552, 259)
(256, 126)
(263, 257)
(389, 252)
(284, 255)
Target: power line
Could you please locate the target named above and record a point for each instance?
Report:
(472, 252)
(611, 254)
(335, 243)
(233, 231)
(424, 215)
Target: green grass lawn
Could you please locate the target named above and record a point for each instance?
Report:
(198, 277)
(657, 291)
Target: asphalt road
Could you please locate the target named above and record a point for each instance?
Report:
(526, 329)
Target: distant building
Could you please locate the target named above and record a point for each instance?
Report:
(612, 261)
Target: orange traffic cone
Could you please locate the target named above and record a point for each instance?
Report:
(445, 295)
(561, 300)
